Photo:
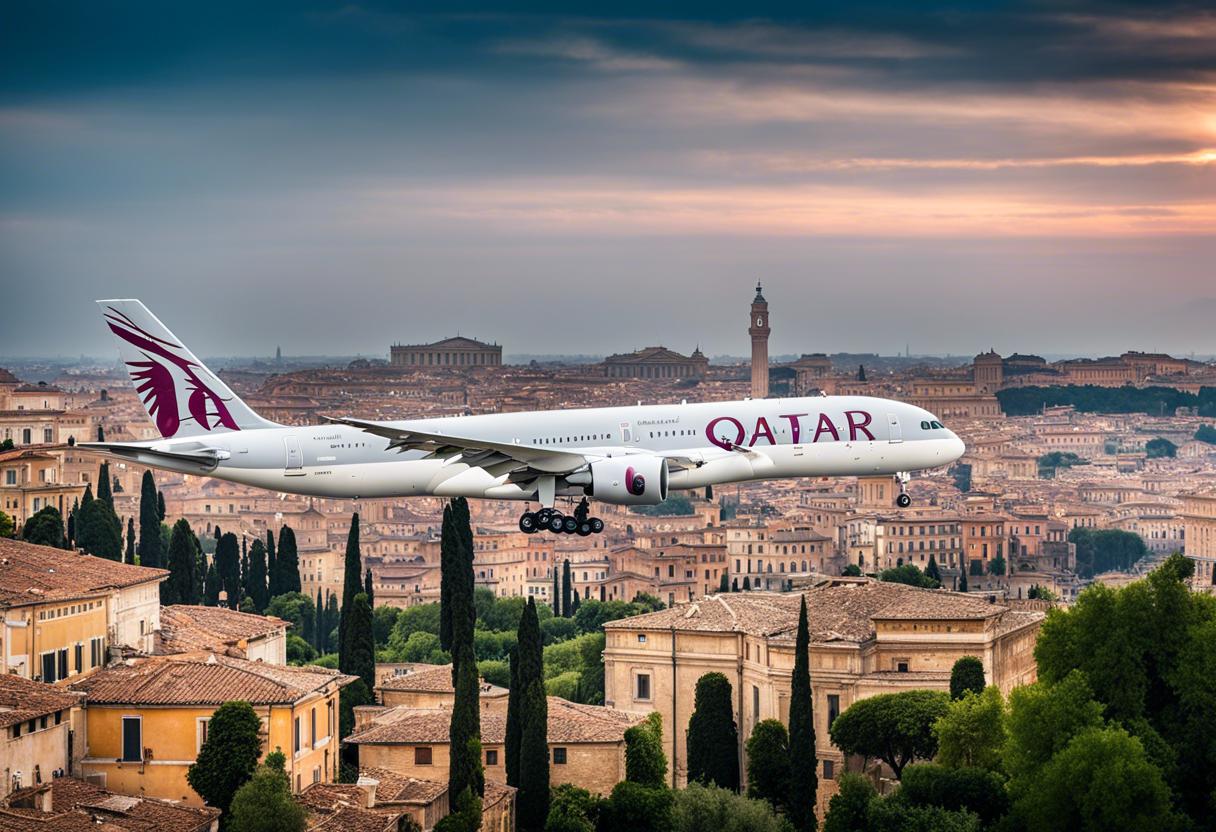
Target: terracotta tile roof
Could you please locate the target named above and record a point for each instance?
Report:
(837, 610)
(22, 699)
(168, 680)
(568, 722)
(185, 629)
(397, 788)
(31, 574)
(76, 804)
(432, 679)
(496, 792)
(343, 806)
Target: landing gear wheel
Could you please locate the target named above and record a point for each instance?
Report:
(528, 524)
(556, 523)
(542, 517)
(569, 525)
(903, 501)
(597, 525)
(584, 528)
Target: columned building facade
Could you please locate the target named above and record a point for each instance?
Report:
(656, 362)
(455, 352)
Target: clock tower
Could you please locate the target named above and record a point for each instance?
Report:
(759, 331)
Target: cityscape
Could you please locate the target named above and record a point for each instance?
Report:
(1022, 637)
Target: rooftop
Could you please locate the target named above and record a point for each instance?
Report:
(837, 610)
(186, 629)
(75, 804)
(214, 680)
(31, 574)
(568, 722)
(432, 679)
(22, 699)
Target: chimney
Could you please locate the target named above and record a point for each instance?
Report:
(368, 785)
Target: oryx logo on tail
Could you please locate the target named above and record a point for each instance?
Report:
(180, 394)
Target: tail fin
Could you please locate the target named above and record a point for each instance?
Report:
(182, 397)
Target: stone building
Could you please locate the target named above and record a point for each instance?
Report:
(759, 330)
(656, 363)
(457, 353)
(867, 637)
(35, 730)
(31, 480)
(586, 743)
(1199, 519)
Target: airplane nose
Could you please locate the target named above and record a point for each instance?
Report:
(957, 448)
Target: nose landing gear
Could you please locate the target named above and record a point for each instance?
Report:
(901, 479)
(551, 519)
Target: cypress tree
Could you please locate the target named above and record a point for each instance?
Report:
(566, 589)
(352, 575)
(369, 590)
(98, 531)
(105, 491)
(71, 524)
(211, 585)
(288, 560)
(331, 622)
(713, 737)
(557, 593)
(200, 569)
(130, 555)
(318, 628)
(255, 576)
(962, 576)
(179, 587)
(511, 743)
(273, 581)
(747, 583)
(574, 606)
(244, 567)
(357, 655)
(464, 770)
(734, 585)
(447, 561)
(228, 568)
(931, 571)
(804, 778)
(160, 506)
(724, 584)
(149, 523)
(532, 802)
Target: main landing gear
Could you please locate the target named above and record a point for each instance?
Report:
(552, 520)
(901, 479)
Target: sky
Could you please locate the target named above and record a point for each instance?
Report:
(336, 177)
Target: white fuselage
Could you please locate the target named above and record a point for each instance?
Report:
(726, 442)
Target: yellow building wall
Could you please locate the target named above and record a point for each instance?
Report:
(53, 627)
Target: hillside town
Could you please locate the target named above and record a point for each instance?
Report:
(114, 669)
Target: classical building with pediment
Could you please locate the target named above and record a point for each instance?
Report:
(458, 352)
(656, 362)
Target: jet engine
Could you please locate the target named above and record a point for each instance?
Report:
(631, 480)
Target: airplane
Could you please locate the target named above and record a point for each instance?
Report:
(632, 456)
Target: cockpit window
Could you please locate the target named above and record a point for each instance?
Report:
(924, 425)
(937, 425)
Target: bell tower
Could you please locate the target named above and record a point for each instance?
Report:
(759, 331)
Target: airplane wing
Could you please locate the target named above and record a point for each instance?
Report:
(205, 458)
(480, 452)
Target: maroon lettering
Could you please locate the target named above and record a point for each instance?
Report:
(724, 443)
(854, 427)
(762, 429)
(795, 427)
(825, 426)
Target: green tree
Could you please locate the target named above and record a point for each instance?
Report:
(638, 808)
(896, 728)
(1100, 780)
(299, 650)
(211, 586)
(319, 630)
(384, 618)
(294, 607)
(274, 575)
(724, 583)
(288, 561)
(908, 574)
(448, 557)
(532, 708)
(514, 730)
(967, 674)
(1101, 550)
(369, 589)
(465, 815)
(1160, 447)
(996, 566)
(566, 589)
(357, 656)
(932, 573)
(804, 778)
(901, 816)
(6, 525)
(713, 737)
(768, 763)
(265, 804)
(228, 758)
(701, 808)
(228, 568)
(1206, 433)
(1043, 718)
(129, 542)
(495, 672)
(962, 575)
(150, 553)
(352, 575)
(105, 489)
(464, 767)
(179, 587)
(44, 528)
(572, 809)
(645, 762)
(160, 506)
(851, 571)
(849, 808)
(975, 790)
(256, 586)
(972, 731)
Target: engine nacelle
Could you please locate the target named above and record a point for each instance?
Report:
(631, 480)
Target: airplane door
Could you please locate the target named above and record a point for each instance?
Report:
(295, 457)
(894, 432)
(626, 433)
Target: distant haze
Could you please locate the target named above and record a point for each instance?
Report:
(334, 178)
